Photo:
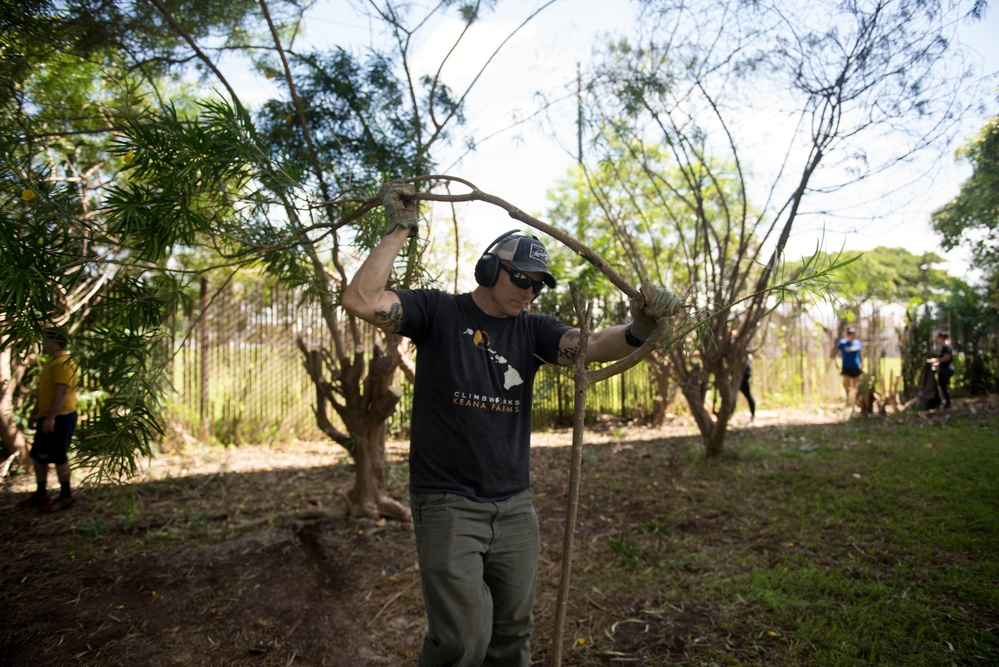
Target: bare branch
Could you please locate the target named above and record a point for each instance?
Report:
(201, 54)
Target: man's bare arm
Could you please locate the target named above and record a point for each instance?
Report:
(568, 347)
(605, 345)
(391, 319)
(366, 297)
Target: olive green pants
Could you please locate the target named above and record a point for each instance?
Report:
(478, 566)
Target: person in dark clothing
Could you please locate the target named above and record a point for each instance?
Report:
(476, 530)
(744, 387)
(943, 363)
(747, 375)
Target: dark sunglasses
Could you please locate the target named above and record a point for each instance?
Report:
(522, 280)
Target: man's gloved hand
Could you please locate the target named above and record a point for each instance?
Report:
(653, 303)
(400, 206)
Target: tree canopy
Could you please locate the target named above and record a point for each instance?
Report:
(678, 114)
(289, 188)
(971, 218)
(112, 174)
(880, 276)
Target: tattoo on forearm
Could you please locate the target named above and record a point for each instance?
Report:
(390, 320)
(569, 347)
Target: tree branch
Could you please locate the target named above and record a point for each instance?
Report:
(517, 214)
(201, 54)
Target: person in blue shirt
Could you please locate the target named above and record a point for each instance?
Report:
(851, 364)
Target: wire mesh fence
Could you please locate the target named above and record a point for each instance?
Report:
(237, 370)
(238, 374)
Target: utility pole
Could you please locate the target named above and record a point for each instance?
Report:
(579, 115)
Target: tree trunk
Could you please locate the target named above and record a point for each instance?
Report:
(661, 377)
(14, 442)
(380, 399)
(369, 497)
(714, 442)
(364, 415)
(713, 428)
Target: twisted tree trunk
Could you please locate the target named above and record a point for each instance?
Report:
(15, 445)
(364, 407)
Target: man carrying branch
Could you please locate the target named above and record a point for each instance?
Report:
(477, 353)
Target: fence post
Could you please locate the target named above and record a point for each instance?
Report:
(205, 362)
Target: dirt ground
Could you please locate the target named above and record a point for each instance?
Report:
(201, 574)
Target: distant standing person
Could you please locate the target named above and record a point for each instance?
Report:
(943, 363)
(851, 363)
(744, 387)
(747, 375)
(55, 421)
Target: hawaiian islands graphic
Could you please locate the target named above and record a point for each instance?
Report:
(511, 376)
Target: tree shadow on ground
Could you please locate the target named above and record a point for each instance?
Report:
(181, 582)
(178, 583)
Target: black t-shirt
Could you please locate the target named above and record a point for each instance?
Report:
(946, 367)
(471, 427)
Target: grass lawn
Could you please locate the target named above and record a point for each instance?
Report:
(865, 543)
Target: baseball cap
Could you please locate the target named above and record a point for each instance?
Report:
(851, 330)
(525, 253)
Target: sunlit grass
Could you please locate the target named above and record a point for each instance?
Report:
(897, 535)
(870, 543)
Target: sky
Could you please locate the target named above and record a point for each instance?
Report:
(522, 164)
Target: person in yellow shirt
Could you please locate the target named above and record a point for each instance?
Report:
(55, 421)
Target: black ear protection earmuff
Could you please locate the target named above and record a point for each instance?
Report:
(488, 267)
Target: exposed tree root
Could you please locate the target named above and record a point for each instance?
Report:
(5, 467)
(386, 508)
(339, 512)
(391, 508)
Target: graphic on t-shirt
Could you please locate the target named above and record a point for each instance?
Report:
(511, 376)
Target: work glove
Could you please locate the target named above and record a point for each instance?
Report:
(652, 304)
(400, 206)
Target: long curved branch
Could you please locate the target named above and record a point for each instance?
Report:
(517, 214)
(292, 89)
